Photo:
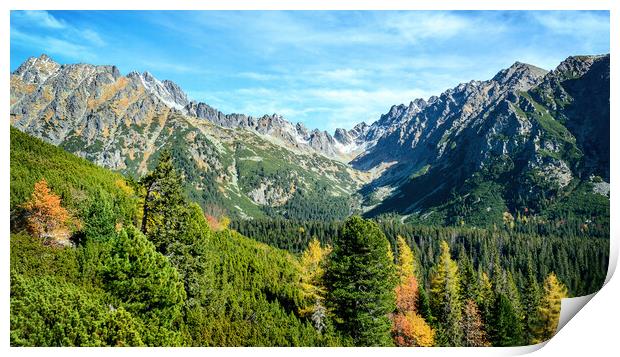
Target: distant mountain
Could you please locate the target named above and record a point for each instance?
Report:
(527, 141)
(233, 164)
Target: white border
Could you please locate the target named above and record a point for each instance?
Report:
(594, 330)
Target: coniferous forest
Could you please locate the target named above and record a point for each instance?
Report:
(100, 259)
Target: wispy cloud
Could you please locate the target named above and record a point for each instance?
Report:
(39, 18)
(57, 37)
(574, 22)
(52, 45)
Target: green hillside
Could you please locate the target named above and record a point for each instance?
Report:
(121, 291)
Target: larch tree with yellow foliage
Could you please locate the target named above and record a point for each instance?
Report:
(408, 327)
(446, 299)
(45, 217)
(553, 293)
(313, 270)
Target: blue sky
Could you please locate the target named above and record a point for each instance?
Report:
(327, 69)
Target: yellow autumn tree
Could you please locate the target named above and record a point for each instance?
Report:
(45, 217)
(408, 327)
(312, 272)
(445, 296)
(549, 310)
(406, 261)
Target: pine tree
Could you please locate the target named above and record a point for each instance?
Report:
(474, 334)
(553, 293)
(164, 204)
(531, 301)
(506, 328)
(446, 298)
(361, 281)
(100, 220)
(146, 284)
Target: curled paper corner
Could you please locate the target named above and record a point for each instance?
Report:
(568, 309)
(571, 306)
(523, 350)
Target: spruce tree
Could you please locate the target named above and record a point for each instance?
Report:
(424, 306)
(164, 207)
(100, 220)
(531, 301)
(361, 281)
(468, 278)
(486, 298)
(506, 328)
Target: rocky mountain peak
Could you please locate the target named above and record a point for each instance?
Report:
(167, 91)
(37, 69)
(576, 66)
(301, 129)
(359, 128)
(342, 136)
(520, 76)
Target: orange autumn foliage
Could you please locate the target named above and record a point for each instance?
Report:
(410, 329)
(217, 224)
(45, 217)
(407, 294)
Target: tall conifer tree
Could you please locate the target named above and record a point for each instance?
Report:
(361, 281)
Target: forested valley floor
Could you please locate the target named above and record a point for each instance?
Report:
(98, 259)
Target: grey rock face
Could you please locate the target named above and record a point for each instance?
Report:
(478, 126)
(167, 91)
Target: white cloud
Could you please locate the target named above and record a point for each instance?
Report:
(58, 36)
(575, 23)
(52, 45)
(413, 26)
(91, 36)
(41, 18)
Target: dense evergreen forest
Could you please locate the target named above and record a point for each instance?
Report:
(101, 260)
(580, 262)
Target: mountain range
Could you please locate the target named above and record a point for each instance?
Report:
(527, 141)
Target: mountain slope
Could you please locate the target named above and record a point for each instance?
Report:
(526, 141)
(522, 141)
(123, 123)
(59, 297)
